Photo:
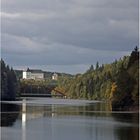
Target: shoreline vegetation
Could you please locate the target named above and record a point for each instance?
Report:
(9, 83)
(117, 82)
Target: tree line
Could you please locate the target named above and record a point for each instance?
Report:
(9, 83)
(37, 86)
(117, 82)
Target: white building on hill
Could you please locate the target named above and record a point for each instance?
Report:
(55, 76)
(33, 74)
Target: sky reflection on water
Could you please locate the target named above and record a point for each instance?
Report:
(86, 121)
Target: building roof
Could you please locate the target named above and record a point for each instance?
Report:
(55, 73)
(34, 70)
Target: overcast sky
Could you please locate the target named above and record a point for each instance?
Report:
(67, 35)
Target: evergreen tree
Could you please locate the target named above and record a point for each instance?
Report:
(97, 65)
(8, 82)
(134, 56)
(117, 82)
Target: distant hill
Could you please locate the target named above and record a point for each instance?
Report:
(47, 75)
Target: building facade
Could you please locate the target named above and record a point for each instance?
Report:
(55, 76)
(33, 74)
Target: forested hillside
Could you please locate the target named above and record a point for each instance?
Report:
(8, 82)
(118, 82)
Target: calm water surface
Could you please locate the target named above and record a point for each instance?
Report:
(63, 119)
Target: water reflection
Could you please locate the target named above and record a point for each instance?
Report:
(24, 120)
(80, 122)
(129, 132)
(9, 114)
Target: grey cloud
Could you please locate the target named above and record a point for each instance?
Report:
(58, 54)
(85, 28)
(20, 45)
(60, 30)
(29, 5)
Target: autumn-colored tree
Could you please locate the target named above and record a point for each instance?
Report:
(113, 90)
(117, 82)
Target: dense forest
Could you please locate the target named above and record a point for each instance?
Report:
(117, 82)
(40, 86)
(9, 84)
(37, 86)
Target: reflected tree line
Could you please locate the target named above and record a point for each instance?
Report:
(11, 112)
(127, 133)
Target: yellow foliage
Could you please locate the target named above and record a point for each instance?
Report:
(59, 89)
(113, 89)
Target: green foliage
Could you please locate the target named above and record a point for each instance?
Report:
(9, 85)
(37, 86)
(128, 83)
(117, 82)
(97, 66)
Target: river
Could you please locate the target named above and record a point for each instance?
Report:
(65, 119)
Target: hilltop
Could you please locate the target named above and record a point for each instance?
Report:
(47, 74)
